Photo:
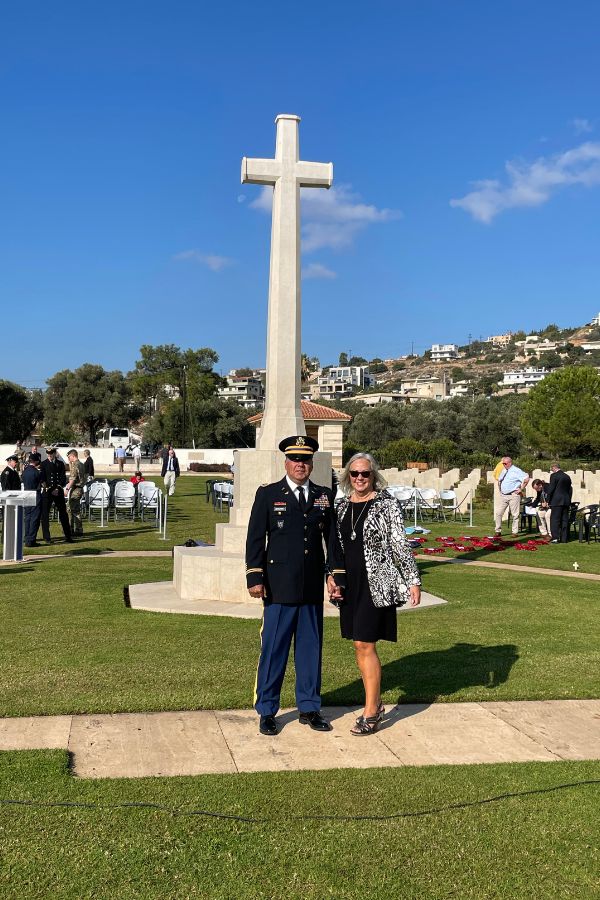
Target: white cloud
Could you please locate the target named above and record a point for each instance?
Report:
(210, 260)
(582, 126)
(318, 270)
(330, 218)
(532, 184)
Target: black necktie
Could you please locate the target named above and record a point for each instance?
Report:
(302, 499)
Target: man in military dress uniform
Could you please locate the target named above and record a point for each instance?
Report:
(74, 490)
(54, 479)
(32, 481)
(9, 479)
(285, 566)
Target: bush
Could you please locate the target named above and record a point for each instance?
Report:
(207, 467)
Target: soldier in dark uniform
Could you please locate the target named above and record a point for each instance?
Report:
(54, 478)
(9, 479)
(32, 481)
(285, 566)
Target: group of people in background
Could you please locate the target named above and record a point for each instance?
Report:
(552, 503)
(60, 486)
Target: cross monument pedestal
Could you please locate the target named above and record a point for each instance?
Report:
(219, 572)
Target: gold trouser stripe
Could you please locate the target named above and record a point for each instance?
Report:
(262, 626)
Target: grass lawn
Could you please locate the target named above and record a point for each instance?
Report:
(542, 844)
(69, 644)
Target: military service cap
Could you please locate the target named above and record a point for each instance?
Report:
(299, 447)
(12, 457)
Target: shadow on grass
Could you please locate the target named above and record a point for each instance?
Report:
(425, 677)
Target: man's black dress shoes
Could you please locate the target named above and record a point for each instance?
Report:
(268, 725)
(315, 720)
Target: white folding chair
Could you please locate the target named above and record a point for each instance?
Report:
(429, 501)
(449, 504)
(149, 499)
(124, 498)
(222, 493)
(403, 495)
(98, 498)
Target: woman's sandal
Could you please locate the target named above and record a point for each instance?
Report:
(368, 724)
(380, 712)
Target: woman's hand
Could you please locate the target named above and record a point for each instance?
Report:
(415, 594)
(335, 593)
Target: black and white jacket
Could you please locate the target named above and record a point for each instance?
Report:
(391, 568)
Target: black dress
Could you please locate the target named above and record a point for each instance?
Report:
(360, 619)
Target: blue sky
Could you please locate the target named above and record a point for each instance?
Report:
(465, 138)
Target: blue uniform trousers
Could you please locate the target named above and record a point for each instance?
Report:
(280, 624)
(32, 521)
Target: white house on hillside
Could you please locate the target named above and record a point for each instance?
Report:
(443, 352)
(523, 378)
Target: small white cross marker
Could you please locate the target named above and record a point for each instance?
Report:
(575, 565)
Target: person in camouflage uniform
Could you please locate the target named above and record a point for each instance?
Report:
(74, 490)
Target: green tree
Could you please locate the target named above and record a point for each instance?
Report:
(375, 426)
(343, 359)
(492, 426)
(83, 400)
(551, 360)
(562, 413)
(399, 453)
(190, 372)
(20, 411)
(215, 423)
(443, 453)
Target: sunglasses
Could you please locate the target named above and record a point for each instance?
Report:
(355, 474)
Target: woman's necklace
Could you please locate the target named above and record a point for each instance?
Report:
(352, 522)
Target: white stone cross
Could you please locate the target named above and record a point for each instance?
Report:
(287, 174)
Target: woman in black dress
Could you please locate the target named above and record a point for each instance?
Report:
(373, 573)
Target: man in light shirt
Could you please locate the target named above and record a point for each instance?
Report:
(511, 485)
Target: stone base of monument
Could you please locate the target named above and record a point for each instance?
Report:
(161, 596)
(219, 572)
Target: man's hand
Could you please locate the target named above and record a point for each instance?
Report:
(415, 594)
(258, 591)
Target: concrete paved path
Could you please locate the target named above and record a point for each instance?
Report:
(139, 745)
(534, 570)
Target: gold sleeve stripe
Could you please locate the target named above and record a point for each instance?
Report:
(338, 571)
(248, 571)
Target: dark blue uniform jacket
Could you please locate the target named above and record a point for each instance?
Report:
(284, 547)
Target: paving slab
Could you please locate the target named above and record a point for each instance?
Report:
(135, 745)
(570, 730)
(35, 733)
(456, 733)
(140, 745)
(161, 596)
(298, 746)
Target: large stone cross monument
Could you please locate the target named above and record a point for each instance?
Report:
(287, 174)
(218, 573)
